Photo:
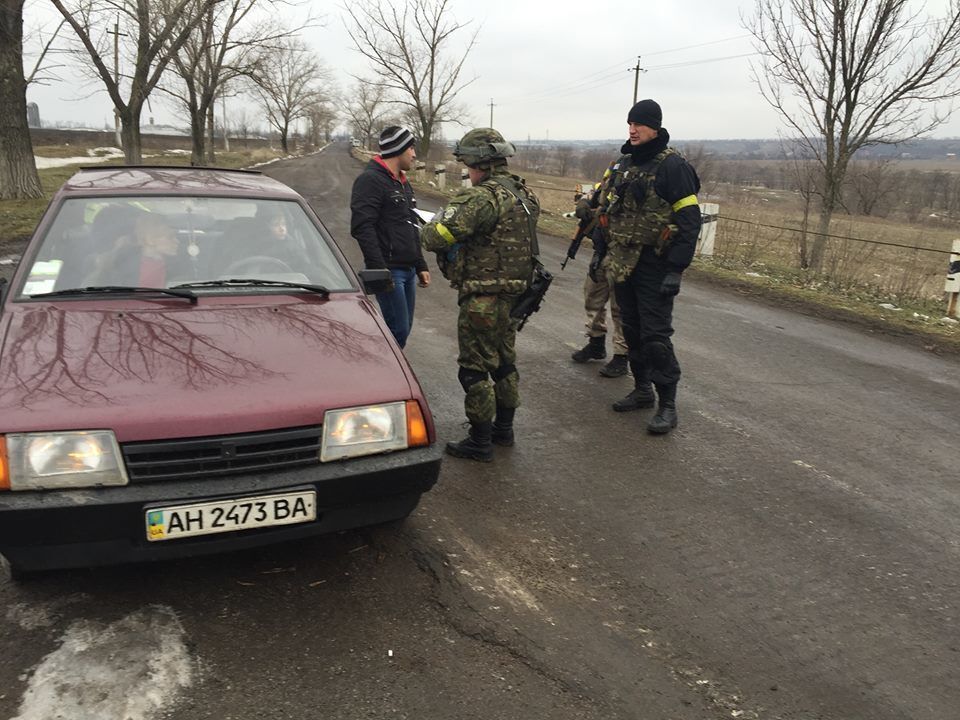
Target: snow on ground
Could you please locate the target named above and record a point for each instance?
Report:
(94, 155)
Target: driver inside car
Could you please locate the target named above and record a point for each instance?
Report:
(265, 246)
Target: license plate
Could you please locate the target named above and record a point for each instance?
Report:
(207, 518)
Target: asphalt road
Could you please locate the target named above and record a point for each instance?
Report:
(791, 551)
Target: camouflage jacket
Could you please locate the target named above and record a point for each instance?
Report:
(632, 213)
(482, 238)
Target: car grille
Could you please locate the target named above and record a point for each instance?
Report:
(197, 458)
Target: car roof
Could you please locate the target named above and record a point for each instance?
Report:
(171, 180)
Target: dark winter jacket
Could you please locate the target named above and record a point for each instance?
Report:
(382, 219)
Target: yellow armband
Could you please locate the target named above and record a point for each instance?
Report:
(685, 202)
(445, 234)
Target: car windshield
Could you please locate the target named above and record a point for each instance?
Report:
(162, 242)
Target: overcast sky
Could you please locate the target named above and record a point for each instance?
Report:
(552, 69)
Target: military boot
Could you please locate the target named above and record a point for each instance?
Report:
(642, 394)
(640, 397)
(595, 349)
(503, 427)
(476, 446)
(666, 418)
(617, 367)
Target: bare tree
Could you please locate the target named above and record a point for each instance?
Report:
(157, 30)
(873, 184)
(406, 45)
(222, 47)
(322, 117)
(848, 74)
(18, 170)
(42, 71)
(286, 81)
(365, 110)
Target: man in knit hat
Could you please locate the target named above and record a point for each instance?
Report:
(383, 221)
(649, 214)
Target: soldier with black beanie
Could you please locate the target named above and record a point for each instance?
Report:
(650, 216)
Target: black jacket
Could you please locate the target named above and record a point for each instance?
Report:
(676, 179)
(382, 219)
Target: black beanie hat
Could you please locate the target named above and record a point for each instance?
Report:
(646, 112)
(394, 140)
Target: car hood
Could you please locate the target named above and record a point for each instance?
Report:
(157, 370)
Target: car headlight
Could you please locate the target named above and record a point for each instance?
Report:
(64, 460)
(371, 429)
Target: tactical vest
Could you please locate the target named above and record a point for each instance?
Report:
(635, 215)
(502, 262)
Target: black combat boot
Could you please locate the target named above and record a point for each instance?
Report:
(503, 427)
(596, 349)
(476, 446)
(666, 418)
(642, 395)
(617, 367)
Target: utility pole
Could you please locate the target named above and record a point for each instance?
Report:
(491, 112)
(116, 75)
(636, 78)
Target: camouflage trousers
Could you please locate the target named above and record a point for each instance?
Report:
(487, 337)
(595, 298)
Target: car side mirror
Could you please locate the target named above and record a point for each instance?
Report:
(376, 281)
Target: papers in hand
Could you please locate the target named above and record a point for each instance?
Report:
(423, 215)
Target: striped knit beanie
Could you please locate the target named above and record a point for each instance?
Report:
(394, 140)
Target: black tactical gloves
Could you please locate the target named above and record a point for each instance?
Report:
(671, 284)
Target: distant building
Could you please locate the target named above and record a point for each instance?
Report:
(33, 115)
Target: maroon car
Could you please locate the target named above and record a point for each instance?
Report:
(188, 365)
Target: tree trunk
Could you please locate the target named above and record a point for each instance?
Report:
(283, 139)
(197, 139)
(18, 170)
(211, 154)
(197, 145)
(424, 149)
(802, 249)
(820, 241)
(130, 130)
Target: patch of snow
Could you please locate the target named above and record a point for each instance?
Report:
(134, 668)
(94, 155)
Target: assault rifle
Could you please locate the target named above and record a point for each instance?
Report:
(583, 230)
(531, 299)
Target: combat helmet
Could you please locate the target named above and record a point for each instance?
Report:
(483, 147)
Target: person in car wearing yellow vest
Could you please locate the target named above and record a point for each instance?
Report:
(649, 214)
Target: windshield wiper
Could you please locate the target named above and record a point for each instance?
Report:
(119, 290)
(240, 282)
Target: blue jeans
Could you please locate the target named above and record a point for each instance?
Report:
(397, 305)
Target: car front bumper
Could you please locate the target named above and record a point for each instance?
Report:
(47, 530)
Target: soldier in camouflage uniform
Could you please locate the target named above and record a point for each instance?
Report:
(483, 239)
(650, 216)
